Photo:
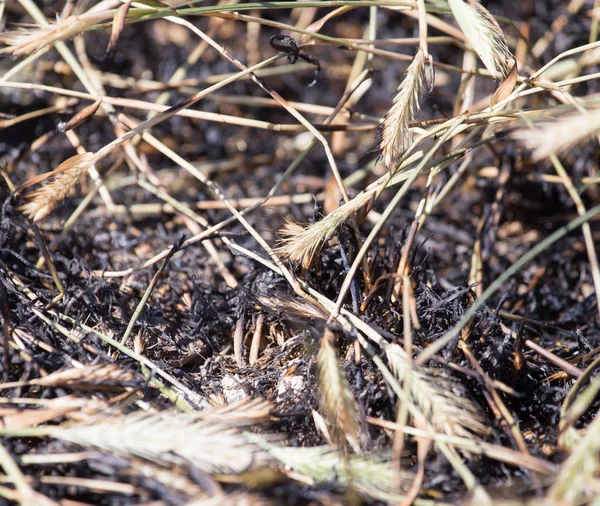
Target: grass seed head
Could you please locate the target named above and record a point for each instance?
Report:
(170, 438)
(437, 396)
(29, 39)
(337, 400)
(560, 135)
(396, 135)
(301, 244)
(485, 36)
(63, 179)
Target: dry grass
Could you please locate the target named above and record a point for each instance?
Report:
(441, 399)
(63, 179)
(578, 480)
(376, 478)
(396, 134)
(337, 400)
(24, 41)
(485, 36)
(169, 438)
(301, 244)
(560, 135)
(125, 386)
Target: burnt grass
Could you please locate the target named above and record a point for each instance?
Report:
(187, 325)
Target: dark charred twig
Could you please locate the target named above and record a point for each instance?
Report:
(570, 369)
(497, 406)
(5, 323)
(346, 264)
(46, 254)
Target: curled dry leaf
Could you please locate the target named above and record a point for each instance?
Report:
(396, 134)
(43, 201)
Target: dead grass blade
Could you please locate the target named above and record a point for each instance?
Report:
(43, 201)
(396, 135)
(506, 87)
(17, 418)
(27, 496)
(487, 39)
(81, 117)
(476, 447)
(117, 27)
(233, 499)
(316, 26)
(240, 414)
(292, 308)
(336, 396)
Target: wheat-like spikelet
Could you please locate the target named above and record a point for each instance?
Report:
(301, 245)
(291, 308)
(573, 483)
(336, 397)
(439, 397)
(485, 36)
(168, 438)
(24, 41)
(395, 133)
(90, 377)
(63, 179)
(376, 478)
(560, 135)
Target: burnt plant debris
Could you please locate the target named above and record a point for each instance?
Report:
(225, 286)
